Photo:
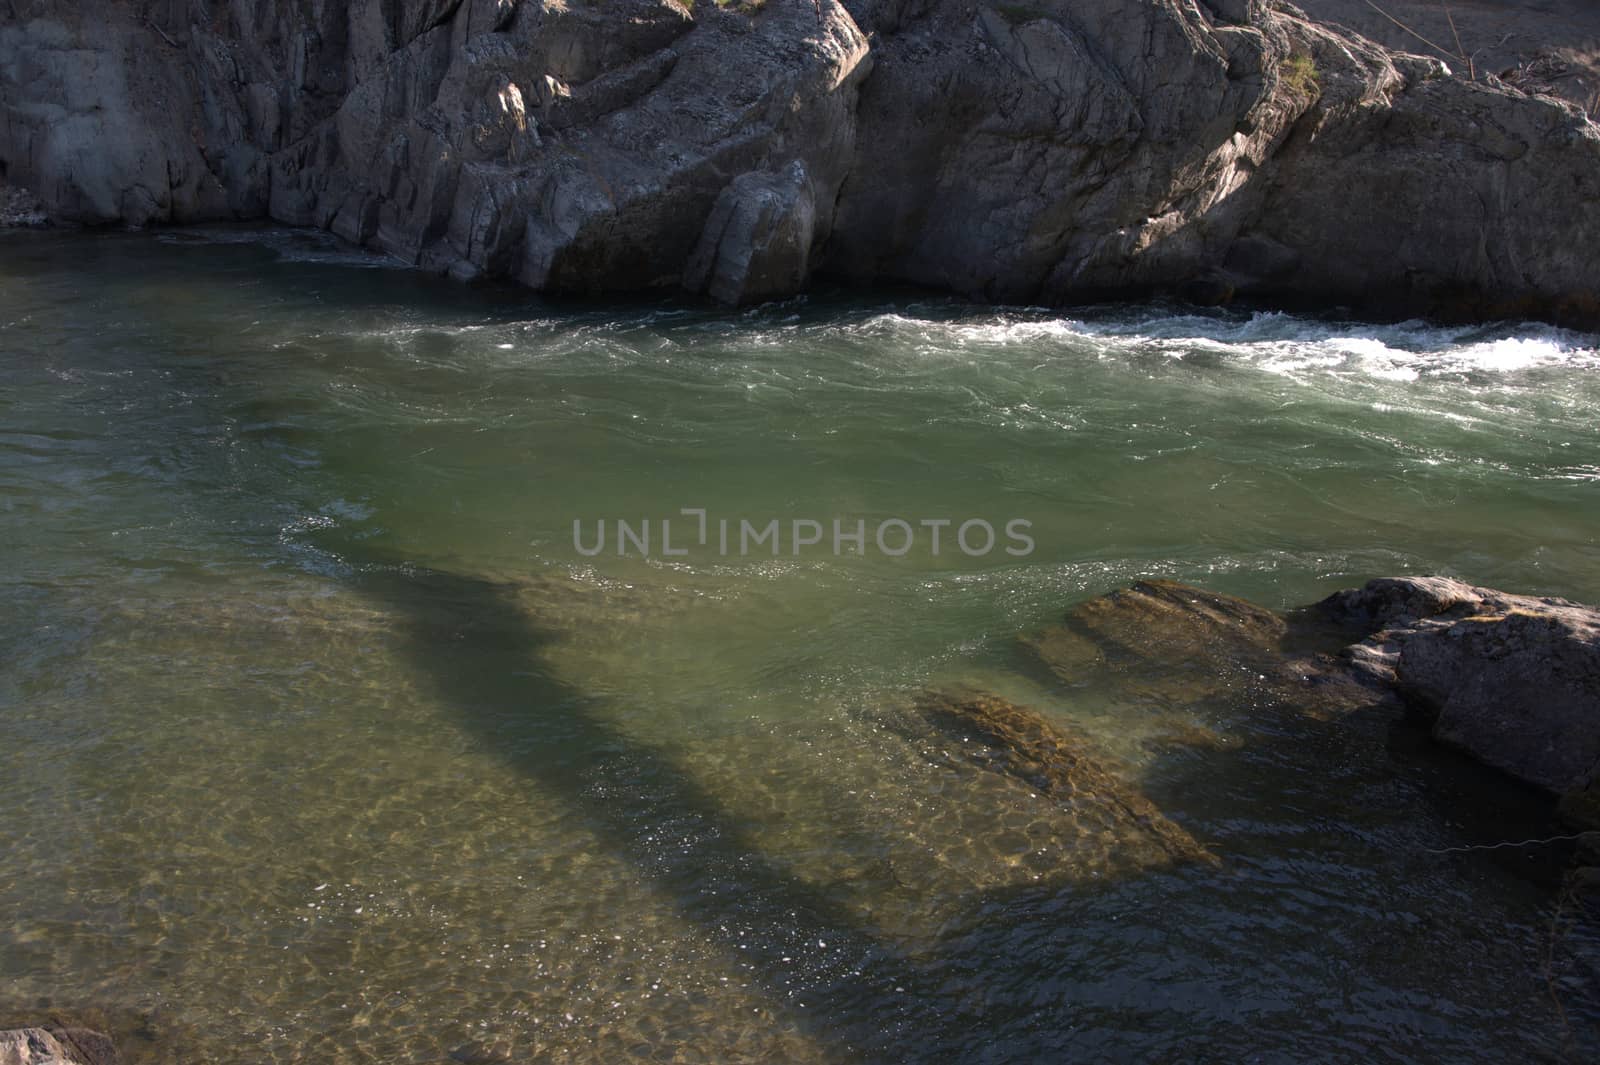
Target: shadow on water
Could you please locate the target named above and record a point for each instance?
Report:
(481, 649)
(482, 652)
(1017, 966)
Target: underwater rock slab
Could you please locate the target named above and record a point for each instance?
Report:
(1184, 630)
(1175, 647)
(1061, 763)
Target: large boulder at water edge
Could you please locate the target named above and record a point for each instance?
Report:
(1513, 680)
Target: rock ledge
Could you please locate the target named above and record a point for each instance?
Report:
(1040, 152)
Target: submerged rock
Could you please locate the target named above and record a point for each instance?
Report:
(1174, 647)
(1166, 622)
(1060, 763)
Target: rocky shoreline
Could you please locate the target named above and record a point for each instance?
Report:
(1043, 152)
(1513, 681)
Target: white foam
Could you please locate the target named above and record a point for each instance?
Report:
(1274, 342)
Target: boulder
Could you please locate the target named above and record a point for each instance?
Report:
(757, 243)
(56, 1046)
(31, 1046)
(1513, 680)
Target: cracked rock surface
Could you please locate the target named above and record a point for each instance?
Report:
(1513, 680)
(1036, 151)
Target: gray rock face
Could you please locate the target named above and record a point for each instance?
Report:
(1510, 679)
(31, 1046)
(70, 1046)
(96, 118)
(757, 243)
(1039, 151)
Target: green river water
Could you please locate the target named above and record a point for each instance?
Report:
(322, 741)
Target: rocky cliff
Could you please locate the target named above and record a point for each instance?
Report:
(1018, 150)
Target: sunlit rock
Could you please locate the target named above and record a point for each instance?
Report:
(1032, 152)
(1513, 680)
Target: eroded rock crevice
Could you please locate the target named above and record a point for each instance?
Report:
(1032, 151)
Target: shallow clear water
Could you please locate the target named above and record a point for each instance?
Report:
(322, 740)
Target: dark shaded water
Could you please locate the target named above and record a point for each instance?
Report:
(322, 741)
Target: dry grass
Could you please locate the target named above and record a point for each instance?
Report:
(1299, 73)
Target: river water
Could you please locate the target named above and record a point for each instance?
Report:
(322, 740)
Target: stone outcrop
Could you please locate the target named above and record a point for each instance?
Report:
(1512, 680)
(56, 1046)
(1037, 151)
(575, 147)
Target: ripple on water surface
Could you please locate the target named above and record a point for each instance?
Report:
(334, 749)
